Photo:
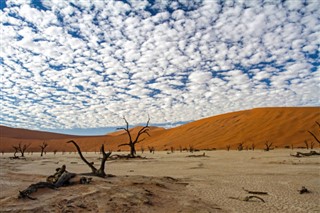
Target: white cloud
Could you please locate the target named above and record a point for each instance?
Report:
(66, 67)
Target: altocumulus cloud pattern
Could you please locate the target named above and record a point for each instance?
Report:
(85, 64)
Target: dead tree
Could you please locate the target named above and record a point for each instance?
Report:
(306, 143)
(60, 178)
(240, 146)
(132, 142)
(313, 135)
(15, 151)
(253, 146)
(311, 145)
(43, 146)
(228, 147)
(96, 172)
(151, 149)
(268, 146)
(172, 149)
(21, 149)
(191, 149)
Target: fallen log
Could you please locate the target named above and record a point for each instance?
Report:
(302, 154)
(61, 178)
(33, 188)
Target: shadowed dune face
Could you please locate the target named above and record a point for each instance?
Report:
(283, 126)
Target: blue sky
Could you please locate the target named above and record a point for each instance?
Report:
(78, 67)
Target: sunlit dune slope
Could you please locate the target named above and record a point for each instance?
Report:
(283, 126)
(29, 134)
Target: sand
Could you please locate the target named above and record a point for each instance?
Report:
(168, 183)
(281, 126)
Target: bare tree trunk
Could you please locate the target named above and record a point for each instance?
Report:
(132, 143)
(43, 146)
(97, 172)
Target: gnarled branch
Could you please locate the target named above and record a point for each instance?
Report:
(97, 172)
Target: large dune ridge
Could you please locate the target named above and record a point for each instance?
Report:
(281, 126)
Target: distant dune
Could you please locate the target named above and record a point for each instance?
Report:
(282, 126)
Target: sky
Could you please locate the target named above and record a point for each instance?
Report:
(78, 67)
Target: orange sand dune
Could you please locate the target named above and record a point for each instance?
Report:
(283, 126)
(29, 134)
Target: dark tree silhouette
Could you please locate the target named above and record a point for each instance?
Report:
(268, 146)
(21, 148)
(240, 146)
(16, 149)
(132, 142)
(253, 146)
(97, 172)
(172, 149)
(313, 135)
(151, 149)
(43, 146)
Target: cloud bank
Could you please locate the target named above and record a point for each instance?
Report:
(85, 64)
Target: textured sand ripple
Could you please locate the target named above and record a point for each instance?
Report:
(169, 183)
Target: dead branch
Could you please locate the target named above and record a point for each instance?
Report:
(301, 154)
(196, 156)
(33, 188)
(248, 198)
(97, 172)
(303, 190)
(255, 192)
(60, 178)
(315, 137)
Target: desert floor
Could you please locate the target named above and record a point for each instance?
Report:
(168, 183)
